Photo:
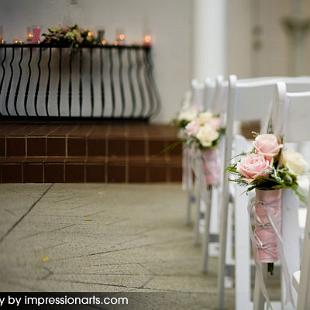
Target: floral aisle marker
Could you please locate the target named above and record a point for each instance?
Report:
(204, 134)
(187, 113)
(268, 169)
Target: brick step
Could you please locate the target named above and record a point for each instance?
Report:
(89, 152)
(159, 140)
(137, 169)
(68, 146)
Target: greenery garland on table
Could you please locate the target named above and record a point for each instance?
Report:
(71, 36)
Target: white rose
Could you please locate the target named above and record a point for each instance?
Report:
(294, 161)
(206, 135)
(188, 115)
(204, 118)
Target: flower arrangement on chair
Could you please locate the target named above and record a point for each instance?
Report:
(268, 169)
(204, 133)
(187, 113)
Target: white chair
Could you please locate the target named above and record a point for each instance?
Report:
(290, 119)
(210, 92)
(197, 101)
(198, 91)
(202, 95)
(211, 194)
(213, 94)
(301, 279)
(247, 100)
(206, 98)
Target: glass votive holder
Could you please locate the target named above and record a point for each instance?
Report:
(90, 34)
(36, 32)
(100, 35)
(120, 37)
(17, 41)
(29, 37)
(147, 40)
(1, 35)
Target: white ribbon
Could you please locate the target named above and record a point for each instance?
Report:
(196, 165)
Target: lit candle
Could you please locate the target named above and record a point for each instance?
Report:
(147, 40)
(16, 41)
(120, 38)
(29, 37)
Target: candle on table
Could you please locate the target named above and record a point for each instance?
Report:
(147, 40)
(29, 34)
(120, 38)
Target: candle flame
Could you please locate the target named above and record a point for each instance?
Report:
(121, 36)
(147, 39)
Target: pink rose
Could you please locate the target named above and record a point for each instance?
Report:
(192, 128)
(215, 122)
(252, 166)
(267, 145)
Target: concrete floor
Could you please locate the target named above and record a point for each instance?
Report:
(103, 238)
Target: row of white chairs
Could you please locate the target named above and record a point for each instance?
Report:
(237, 101)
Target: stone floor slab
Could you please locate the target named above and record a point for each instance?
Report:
(103, 238)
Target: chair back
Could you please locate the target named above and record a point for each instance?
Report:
(210, 88)
(292, 115)
(247, 100)
(290, 119)
(198, 94)
(219, 102)
(303, 300)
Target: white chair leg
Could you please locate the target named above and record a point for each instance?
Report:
(222, 252)
(230, 242)
(304, 283)
(206, 235)
(259, 300)
(242, 252)
(190, 195)
(198, 210)
(291, 242)
(189, 185)
(224, 214)
(214, 222)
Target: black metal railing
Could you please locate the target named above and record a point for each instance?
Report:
(100, 81)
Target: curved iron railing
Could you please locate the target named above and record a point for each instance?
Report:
(101, 81)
